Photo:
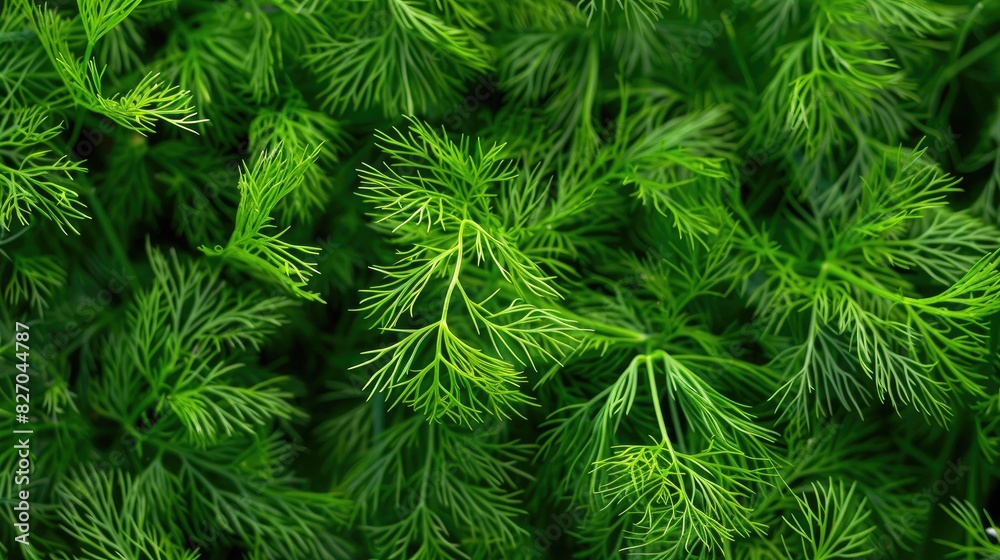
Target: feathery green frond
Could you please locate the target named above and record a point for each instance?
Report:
(105, 512)
(101, 16)
(621, 279)
(978, 541)
(440, 209)
(33, 180)
(275, 175)
(393, 55)
(33, 279)
(833, 523)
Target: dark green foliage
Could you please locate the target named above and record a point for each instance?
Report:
(461, 279)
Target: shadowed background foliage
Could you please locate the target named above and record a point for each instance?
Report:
(444, 279)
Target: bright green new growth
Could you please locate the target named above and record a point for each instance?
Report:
(979, 542)
(682, 492)
(138, 109)
(178, 327)
(297, 128)
(101, 16)
(34, 180)
(436, 199)
(857, 312)
(275, 175)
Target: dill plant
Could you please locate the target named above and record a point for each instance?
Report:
(704, 279)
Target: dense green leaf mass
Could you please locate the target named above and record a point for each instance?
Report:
(526, 279)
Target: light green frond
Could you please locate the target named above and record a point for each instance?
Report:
(101, 16)
(977, 541)
(833, 522)
(274, 176)
(395, 56)
(440, 208)
(104, 513)
(32, 180)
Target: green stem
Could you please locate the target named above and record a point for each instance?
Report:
(740, 60)
(77, 128)
(656, 399)
(427, 464)
(109, 232)
(675, 418)
(947, 451)
(81, 112)
(920, 303)
(844, 274)
(964, 33)
(994, 343)
(627, 335)
(378, 412)
(454, 277)
(971, 57)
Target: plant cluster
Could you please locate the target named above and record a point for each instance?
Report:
(461, 279)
